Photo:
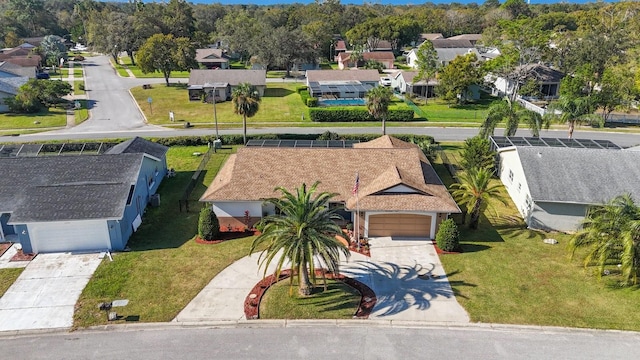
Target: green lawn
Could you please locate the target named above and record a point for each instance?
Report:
(119, 68)
(339, 301)
(440, 111)
(81, 114)
(7, 278)
(506, 274)
(165, 268)
(54, 117)
(78, 87)
(138, 73)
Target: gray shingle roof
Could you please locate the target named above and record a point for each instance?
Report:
(139, 145)
(233, 77)
(59, 188)
(586, 176)
(10, 85)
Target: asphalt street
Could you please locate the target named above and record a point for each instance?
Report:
(313, 340)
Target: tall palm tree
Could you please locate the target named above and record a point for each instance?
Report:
(246, 102)
(304, 230)
(474, 191)
(572, 111)
(612, 235)
(512, 114)
(378, 100)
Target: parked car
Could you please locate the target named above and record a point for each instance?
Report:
(42, 76)
(385, 81)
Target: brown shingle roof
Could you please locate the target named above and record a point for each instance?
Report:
(431, 36)
(233, 77)
(210, 55)
(253, 174)
(343, 75)
(470, 37)
(385, 142)
(341, 45)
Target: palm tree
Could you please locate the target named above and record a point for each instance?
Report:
(572, 111)
(378, 100)
(612, 235)
(474, 191)
(304, 230)
(246, 102)
(512, 114)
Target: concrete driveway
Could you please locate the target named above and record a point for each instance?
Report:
(45, 294)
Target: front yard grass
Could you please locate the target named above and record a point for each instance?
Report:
(165, 269)
(139, 74)
(506, 274)
(54, 117)
(81, 114)
(78, 87)
(119, 68)
(7, 278)
(339, 301)
(441, 111)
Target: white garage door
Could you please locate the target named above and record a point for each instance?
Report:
(67, 236)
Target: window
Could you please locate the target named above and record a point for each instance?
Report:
(130, 196)
(519, 187)
(151, 181)
(510, 176)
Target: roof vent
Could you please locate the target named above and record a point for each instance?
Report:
(539, 154)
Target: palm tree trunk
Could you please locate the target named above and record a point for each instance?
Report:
(571, 127)
(384, 126)
(304, 289)
(475, 215)
(244, 129)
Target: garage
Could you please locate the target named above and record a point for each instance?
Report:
(409, 225)
(85, 235)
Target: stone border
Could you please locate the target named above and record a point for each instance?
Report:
(252, 301)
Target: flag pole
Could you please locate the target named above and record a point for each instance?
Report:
(356, 188)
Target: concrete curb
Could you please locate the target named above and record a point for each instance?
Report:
(270, 324)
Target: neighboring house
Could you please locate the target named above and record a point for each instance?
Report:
(431, 36)
(473, 38)
(399, 194)
(341, 46)
(554, 186)
(212, 58)
(79, 202)
(548, 79)
(446, 49)
(330, 84)
(203, 82)
(386, 58)
(405, 82)
(10, 66)
(9, 85)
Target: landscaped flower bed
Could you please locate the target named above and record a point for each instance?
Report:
(252, 301)
(225, 236)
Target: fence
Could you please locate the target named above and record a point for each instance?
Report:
(184, 201)
(448, 164)
(415, 108)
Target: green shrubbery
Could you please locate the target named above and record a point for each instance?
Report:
(312, 102)
(208, 225)
(448, 237)
(344, 114)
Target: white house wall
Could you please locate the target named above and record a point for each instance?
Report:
(557, 216)
(516, 184)
(237, 208)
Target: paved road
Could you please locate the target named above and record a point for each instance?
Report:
(439, 133)
(111, 106)
(307, 340)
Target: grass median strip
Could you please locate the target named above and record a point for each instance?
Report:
(7, 278)
(53, 117)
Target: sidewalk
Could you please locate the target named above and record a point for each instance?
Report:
(399, 272)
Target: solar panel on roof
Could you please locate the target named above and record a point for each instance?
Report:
(501, 142)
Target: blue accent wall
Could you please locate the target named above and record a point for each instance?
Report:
(23, 236)
(151, 174)
(6, 229)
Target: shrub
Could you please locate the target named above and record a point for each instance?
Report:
(78, 58)
(448, 238)
(208, 225)
(81, 86)
(312, 102)
(328, 135)
(401, 59)
(300, 89)
(339, 114)
(304, 95)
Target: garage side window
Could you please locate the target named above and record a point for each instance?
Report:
(510, 176)
(130, 196)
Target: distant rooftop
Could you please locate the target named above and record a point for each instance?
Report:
(500, 142)
(303, 143)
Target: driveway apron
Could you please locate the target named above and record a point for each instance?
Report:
(45, 294)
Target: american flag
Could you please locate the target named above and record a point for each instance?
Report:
(356, 185)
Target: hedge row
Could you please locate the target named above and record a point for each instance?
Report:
(355, 115)
(237, 139)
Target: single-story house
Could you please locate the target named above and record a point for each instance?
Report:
(9, 85)
(473, 38)
(405, 82)
(340, 47)
(13, 66)
(446, 49)
(386, 58)
(553, 187)
(212, 58)
(331, 84)
(204, 82)
(399, 193)
(80, 202)
(548, 79)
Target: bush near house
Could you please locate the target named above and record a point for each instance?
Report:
(312, 102)
(354, 115)
(448, 238)
(208, 224)
(305, 96)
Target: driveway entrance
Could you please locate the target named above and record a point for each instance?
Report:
(45, 294)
